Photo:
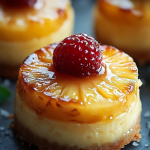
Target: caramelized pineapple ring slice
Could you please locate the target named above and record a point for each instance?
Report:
(24, 24)
(86, 100)
(126, 11)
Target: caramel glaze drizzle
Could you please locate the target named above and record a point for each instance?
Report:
(40, 88)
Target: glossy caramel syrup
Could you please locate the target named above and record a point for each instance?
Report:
(85, 100)
(129, 10)
(29, 23)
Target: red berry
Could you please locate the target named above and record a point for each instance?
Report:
(78, 55)
(21, 3)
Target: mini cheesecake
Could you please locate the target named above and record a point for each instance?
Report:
(54, 110)
(25, 29)
(124, 24)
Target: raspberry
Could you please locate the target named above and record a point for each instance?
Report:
(21, 3)
(78, 55)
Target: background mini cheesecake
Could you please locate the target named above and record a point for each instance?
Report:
(28, 25)
(124, 24)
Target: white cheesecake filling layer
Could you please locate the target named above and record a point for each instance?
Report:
(76, 134)
(16, 52)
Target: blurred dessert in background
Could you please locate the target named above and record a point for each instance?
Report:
(27, 25)
(124, 24)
